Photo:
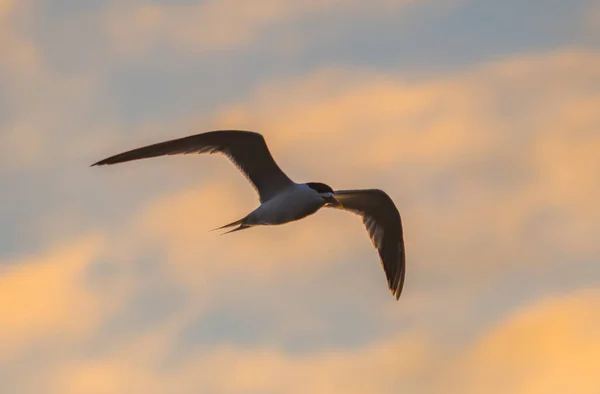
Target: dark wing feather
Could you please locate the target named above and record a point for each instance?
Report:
(247, 150)
(382, 220)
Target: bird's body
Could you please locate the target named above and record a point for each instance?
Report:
(294, 202)
(283, 201)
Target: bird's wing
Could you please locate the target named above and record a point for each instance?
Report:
(382, 220)
(247, 150)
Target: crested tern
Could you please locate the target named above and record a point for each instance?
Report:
(283, 200)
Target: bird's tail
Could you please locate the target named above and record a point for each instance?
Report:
(240, 223)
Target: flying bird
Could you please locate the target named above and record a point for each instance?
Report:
(283, 200)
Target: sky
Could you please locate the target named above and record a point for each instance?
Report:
(480, 119)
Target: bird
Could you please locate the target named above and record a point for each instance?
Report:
(283, 200)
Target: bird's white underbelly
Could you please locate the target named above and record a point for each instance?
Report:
(297, 202)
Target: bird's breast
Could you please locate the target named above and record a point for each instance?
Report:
(295, 204)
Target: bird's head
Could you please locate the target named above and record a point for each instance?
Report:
(325, 192)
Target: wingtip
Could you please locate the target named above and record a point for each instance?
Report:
(99, 163)
(397, 291)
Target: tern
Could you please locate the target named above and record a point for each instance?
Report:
(283, 200)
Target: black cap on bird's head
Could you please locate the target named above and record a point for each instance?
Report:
(326, 192)
(320, 187)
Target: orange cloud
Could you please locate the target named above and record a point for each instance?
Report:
(5, 6)
(213, 24)
(179, 223)
(46, 296)
(486, 132)
(472, 130)
(549, 347)
(509, 140)
(382, 367)
(36, 94)
(20, 54)
(442, 118)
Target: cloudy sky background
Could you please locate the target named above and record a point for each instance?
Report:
(481, 119)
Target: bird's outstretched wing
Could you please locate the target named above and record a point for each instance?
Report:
(382, 220)
(246, 149)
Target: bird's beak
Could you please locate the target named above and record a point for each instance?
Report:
(333, 202)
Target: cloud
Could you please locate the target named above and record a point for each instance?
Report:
(591, 21)
(214, 25)
(5, 7)
(178, 226)
(456, 152)
(494, 170)
(46, 296)
(470, 159)
(41, 107)
(383, 367)
(38, 125)
(20, 54)
(547, 347)
(493, 156)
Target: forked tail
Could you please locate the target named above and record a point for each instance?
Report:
(240, 223)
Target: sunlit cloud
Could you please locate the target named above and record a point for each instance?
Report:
(486, 132)
(5, 6)
(179, 225)
(21, 55)
(547, 347)
(384, 367)
(498, 160)
(44, 108)
(46, 296)
(215, 25)
(591, 21)
(111, 281)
